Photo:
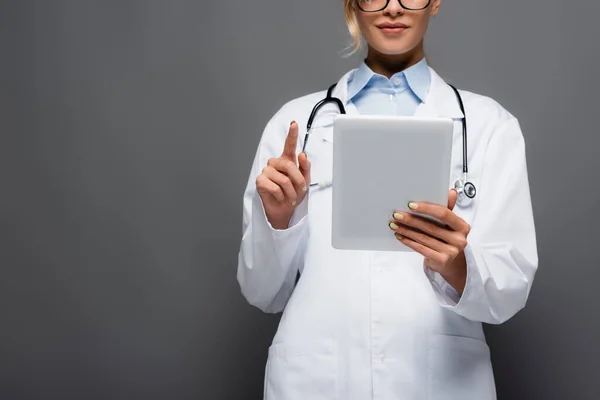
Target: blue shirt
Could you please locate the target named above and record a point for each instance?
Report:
(373, 93)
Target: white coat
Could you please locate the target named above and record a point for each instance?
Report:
(380, 325)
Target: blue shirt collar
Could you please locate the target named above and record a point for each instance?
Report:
(417, 76)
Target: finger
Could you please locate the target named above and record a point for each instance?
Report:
(265, 185)
(419, 248)
(452, 196)
(304, 164)
(442, 214)
(424, 239)
(290, 169)
(430, 227)
(283, 182)
(291, 142)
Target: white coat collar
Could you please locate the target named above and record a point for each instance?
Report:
(440, 102)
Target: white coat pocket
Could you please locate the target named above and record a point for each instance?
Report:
(298, 372)
(460, 368)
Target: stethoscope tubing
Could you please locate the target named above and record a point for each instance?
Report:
(464, 187)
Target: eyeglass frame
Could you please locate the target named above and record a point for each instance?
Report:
(387, 3)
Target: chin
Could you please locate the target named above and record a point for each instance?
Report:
(392, 49)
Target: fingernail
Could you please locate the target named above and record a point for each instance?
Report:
(294, 202)
(292, 123)
(413, 206)
(398, 216)
(393, 226)
(304, 189)
(399, 236)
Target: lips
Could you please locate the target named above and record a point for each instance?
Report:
(392, 25)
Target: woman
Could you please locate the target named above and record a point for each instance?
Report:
(387, 325)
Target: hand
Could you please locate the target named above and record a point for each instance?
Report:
(442, 246)
(283, 184)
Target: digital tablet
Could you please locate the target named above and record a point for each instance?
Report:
(380, 164)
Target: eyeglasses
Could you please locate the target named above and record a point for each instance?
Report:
(379, 5)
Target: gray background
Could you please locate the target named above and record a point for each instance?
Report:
(127, 133)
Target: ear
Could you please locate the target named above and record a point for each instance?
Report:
(434, 7)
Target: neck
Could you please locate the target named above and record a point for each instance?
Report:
(387, 65)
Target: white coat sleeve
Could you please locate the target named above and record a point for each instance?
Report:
(269, 259)
(502, 254)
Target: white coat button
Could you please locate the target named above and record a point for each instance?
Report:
(396, 81)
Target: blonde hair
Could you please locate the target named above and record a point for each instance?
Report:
(353, 28)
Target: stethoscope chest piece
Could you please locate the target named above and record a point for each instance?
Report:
(466, 192)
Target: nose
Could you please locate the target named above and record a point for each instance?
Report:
(394, 8)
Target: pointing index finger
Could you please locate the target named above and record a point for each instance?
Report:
(291, 141)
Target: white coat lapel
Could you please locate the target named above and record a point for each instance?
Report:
(441, 100)
(330, 111)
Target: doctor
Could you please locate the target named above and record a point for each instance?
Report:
(387, 325)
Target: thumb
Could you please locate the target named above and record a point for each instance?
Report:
(304, 165)
(452, 196)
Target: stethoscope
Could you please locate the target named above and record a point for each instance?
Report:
(466, 190)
